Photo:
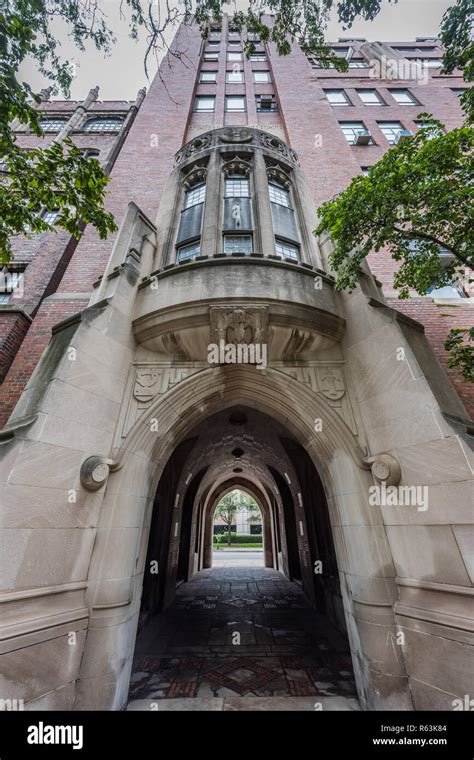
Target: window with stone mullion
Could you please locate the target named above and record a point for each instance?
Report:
(237, 186)
(279, 195)
(195, 195)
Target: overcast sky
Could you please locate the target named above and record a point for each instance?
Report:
(121, 75)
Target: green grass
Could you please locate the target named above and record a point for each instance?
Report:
(238, 546)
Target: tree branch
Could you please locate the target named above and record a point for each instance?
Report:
(431, 238)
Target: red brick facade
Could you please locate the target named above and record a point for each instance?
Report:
(167, 120)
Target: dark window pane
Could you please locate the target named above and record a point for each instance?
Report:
(284, 225)
(190, 222)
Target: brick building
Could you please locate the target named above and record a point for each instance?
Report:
(117, 449)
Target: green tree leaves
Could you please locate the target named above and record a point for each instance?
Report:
(58, 177)
(457, 37)
(415, 202)
(460, 343)
(416, 199)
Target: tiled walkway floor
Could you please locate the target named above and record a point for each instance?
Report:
(241, 638)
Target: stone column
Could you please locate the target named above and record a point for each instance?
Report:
(77, 117)
(264, 238)
(212, 228)
(124, 130)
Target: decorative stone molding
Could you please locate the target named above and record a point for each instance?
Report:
(237, 166)
(331, 382)
(150, 381)
(276, 173)
(192, 148)
(238, 136)
(197, 174)
(94, 472)
(240, 324)
(385, 468)
(235, 135)
(273, 143)
(328, 381)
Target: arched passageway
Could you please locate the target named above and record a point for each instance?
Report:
(240, 531)
(234, 632)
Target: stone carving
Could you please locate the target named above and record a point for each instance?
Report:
(195, 146)
(95, 471)
(197, 174)
(278, 146)
(327, 381)
(299, 341)
(385, 468)
(276, 173)
(237, 166)
(235, 135)
(152, 380)
(239, 324)
(146, 380)
(331, 382)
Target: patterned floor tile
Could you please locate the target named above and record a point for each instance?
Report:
(286, 648)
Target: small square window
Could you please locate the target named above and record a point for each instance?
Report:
(432, 130)
(195, 195)
(370, 97)
(351, 130)
(237, 186)
(238, 244)
(403, 97)
(208, 76)
(261, 77)
(204, 103)
(390, 130)
(431, 63)
(235, 77)
(50, 216)
(266, 103)
(11, 285)
(341, 52)
(188, 252)
(364, 170)
(278, 194)
(287, 250)
(234, 56)
(337, 97)
(234, 103)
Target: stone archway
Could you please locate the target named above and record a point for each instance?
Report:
(265, 510)
(367, 578)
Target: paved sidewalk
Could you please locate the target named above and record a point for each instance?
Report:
(234, 557)
(240, 638)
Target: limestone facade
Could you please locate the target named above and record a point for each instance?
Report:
(343, 426)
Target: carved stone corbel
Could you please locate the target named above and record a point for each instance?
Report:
(94, 472)
(385, 468)
(196, 174)
(276, 173)
(237, 166)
